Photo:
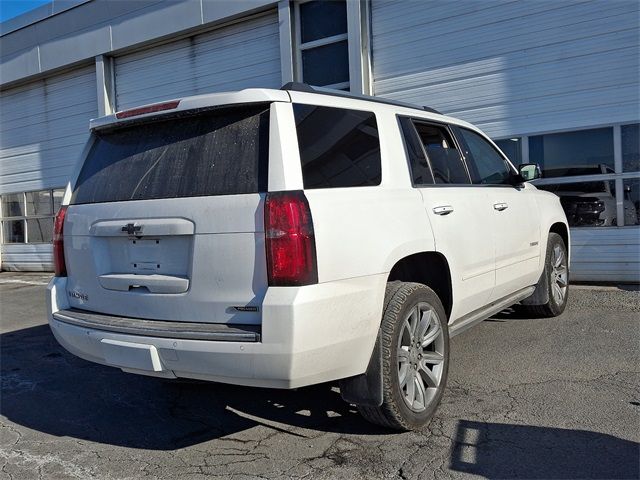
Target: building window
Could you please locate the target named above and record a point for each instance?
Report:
(631, 163)
(322, 50)
(630, 147)
(631, 202)
(582, 152)
(592, 180)
(27, 217)
(587, 204)
(579, 153)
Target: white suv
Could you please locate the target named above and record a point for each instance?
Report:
(283, 238)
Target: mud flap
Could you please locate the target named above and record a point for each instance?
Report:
(366, 389)
(540, 295)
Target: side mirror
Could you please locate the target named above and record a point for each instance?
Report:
(529, 171)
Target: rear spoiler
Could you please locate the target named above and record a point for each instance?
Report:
(199, 102)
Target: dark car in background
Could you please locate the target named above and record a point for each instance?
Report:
(591, 203)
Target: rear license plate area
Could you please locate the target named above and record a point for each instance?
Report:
(144, 255)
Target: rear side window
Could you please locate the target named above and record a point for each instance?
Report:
(220, 152)
(446, 162)
(487, 166)
(338, 147)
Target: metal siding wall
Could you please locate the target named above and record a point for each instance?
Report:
(511, 67)
(43, 128)
(238, 56)
(605, 254)
(27, 257)
(518, 68)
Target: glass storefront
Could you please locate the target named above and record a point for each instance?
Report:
(588, 155)
(582, 152)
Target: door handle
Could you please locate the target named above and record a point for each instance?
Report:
(500, 206)
(443, 210)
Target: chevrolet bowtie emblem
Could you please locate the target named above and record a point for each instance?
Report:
(132, 229)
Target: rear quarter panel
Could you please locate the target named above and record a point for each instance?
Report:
(361, 232)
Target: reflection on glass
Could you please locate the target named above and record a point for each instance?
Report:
(631, 201)
(573, 171)
(13, 231)
(630, 147)
(13, 205)
(582, 152)
(40, 230)
(326, 65)
(587, 204)
(348, 157)
(512, 148)
(57, 199)
(39, 203)
(322, 19)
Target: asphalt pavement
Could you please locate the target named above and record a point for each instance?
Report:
(527, 398)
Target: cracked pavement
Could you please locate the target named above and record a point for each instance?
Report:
(549, 398)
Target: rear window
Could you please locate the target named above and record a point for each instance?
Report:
(219, 152)
(338, 147)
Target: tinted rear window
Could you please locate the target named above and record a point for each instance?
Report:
(338, 147)
(220, 152)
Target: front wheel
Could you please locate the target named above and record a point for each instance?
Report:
(415, 357)
(556, 274)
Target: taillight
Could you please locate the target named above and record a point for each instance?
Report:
(291, 246)
(58, 243)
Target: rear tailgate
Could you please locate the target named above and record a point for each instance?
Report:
(166, 219)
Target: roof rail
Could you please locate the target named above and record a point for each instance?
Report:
(303, 87)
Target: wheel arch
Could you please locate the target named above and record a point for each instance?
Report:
(429, 268)
(561, 229)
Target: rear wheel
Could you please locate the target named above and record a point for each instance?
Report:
(415, 357)
(556, 271)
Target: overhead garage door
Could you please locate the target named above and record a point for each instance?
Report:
(242, 55)
(510, 67)
(43, 128)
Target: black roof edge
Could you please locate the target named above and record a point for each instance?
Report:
(303, 87)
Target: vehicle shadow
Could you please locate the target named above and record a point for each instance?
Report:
(45, 388)
(494, 450)
(510, 313)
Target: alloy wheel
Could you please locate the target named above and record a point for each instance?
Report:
(559, 274)
(420, 356)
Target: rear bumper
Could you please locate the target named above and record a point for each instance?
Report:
(308, 335)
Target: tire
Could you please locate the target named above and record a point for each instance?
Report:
(558, 281)
(413, 303)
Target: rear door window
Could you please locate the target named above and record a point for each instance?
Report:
(220, 152)
(445, 159)
(338, 147)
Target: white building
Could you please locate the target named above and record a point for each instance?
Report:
(557, 82)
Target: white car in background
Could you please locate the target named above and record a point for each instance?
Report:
(283, 238)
